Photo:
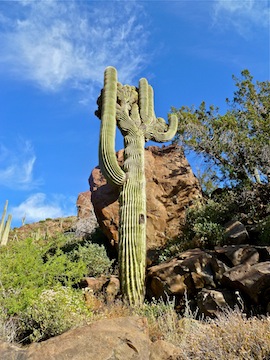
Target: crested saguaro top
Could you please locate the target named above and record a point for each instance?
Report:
(132, 110)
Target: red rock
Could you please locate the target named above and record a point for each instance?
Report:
(84, 205)
(171, 187)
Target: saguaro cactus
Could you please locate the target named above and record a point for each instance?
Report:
(5, 226)
(132, 110)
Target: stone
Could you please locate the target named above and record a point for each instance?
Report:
(166, 279)
(171, 187)
(252, 280)
(219, 268)
(237, 255)
(122, 339)
(11, 352)
(264, 252)
(211, 284)
(86, 220)
(162, 350)
(109, 286)
(94, 284)
(84, 205)
(112, 289)
(236, 233)
(210, 302)
(190, 271)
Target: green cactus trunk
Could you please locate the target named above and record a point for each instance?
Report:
(132, 110)
(132, 224)
(5, 226)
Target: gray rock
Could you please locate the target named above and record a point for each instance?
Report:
(236, 233)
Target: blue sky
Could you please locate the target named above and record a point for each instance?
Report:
(52, 58)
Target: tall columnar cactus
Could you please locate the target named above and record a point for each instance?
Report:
(5, 226)
(132, 110)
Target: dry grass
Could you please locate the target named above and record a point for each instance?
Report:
(230, 336)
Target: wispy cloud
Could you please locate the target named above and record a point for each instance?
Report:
(17, 165)
(242, 15)
(69, 43)
(39, 207)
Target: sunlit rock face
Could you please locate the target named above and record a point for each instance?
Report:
(171, 187)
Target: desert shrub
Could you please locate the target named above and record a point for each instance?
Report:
(264, 229)
(203, 228)
(94, 257)
(172, 248)
(205, 223)
(25, 272)
(53, 312)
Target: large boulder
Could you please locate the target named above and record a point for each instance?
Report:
(171, 187)
(122, 339)
(187, 273)
(252, 280)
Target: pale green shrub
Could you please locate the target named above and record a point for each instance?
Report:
(95, 258)
(25, 271)
(52, 313)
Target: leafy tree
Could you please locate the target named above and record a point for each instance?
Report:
(237, 143)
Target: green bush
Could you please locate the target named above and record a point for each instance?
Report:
(205, 223)
(25, 271)
(203, 228)
(94, 257)
(264, 228)
(53, 312)
(37, 286)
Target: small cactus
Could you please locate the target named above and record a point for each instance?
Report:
(5, 226)
(132, 110)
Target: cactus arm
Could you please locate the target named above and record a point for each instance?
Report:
(155, 128)
(107, 158)
(163, 132)
(151, 112)
(143, 100)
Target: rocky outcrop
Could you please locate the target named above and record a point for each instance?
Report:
(121, 338)
(84, 205)
(215, 279)
(171, 187)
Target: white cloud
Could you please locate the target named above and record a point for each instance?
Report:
(242, 15)
(55, 43)
(38, 207)
(17, 165)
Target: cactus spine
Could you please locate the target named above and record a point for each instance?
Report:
(132, 110)
(5, 226)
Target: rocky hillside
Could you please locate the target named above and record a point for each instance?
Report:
(47, 228)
